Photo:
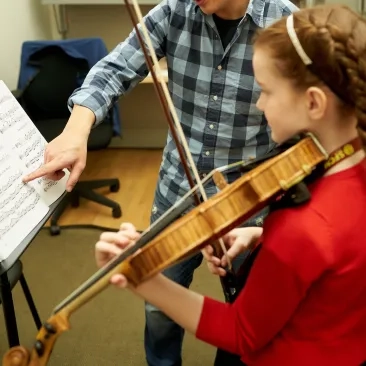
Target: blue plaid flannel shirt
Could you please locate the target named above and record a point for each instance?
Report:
(212, 88)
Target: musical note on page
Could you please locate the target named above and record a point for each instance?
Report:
(21, 207)
(22, 137)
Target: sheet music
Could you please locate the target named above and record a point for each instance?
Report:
(21, 207)
(23, 138)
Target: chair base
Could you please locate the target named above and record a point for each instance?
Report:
(85, 190)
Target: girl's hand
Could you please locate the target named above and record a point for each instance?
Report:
(112, 244)
(237, 241)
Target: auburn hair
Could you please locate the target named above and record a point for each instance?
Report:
(334, 38)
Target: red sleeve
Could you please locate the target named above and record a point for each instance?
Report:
(288, 262)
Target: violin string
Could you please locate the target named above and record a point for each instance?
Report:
(132, 249)
(174, 114)
(116, 260)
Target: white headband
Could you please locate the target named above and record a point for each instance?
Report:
(295, 40)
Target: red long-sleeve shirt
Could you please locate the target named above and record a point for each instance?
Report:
(305, 299)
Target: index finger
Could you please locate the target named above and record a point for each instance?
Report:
(43, 170)
(208, 255)
(207, 252)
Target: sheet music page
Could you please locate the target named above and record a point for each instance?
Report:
(21, 207)
(24, 139)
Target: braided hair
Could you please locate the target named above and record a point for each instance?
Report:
(334, 38)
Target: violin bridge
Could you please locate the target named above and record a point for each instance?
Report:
(219, 180)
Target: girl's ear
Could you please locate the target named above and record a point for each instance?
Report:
(316, 102)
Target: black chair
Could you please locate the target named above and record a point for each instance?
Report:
(8, 280)
(45, 101)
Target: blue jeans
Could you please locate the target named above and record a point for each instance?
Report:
(163, 337)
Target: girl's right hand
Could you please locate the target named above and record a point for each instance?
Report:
(237, 241)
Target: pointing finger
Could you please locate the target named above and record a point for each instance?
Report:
(46, 169)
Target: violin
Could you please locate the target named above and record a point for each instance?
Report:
(158, 249)
(175, 236)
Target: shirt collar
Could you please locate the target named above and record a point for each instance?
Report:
(255, 10)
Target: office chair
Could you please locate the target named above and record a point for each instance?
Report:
(44, 99)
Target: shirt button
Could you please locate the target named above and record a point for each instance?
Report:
(211, 126)
(154, 210)
(215, 97)
(219, 67)
(207, 153)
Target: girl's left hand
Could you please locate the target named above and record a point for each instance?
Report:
(112, 244)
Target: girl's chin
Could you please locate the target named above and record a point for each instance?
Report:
(275, 138)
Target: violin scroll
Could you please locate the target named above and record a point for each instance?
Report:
(43, 346)
(16, 356)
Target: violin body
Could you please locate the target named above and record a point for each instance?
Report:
(233, 205)
(209, 221)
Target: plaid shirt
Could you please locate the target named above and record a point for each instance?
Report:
(213, 90)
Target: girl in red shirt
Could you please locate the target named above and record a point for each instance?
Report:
(304, 301)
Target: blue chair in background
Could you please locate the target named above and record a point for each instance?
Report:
(50, 71)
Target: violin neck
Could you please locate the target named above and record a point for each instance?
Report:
(100, 280)
(77, 301)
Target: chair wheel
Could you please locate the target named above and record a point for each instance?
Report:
(114, 187)
(117, 212)
(55, 230)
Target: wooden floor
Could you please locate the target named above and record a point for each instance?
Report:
(137, 171)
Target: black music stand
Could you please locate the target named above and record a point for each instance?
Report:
(11, 271)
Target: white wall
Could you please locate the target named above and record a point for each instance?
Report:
(141, 127)
(20, 20)
(353, 4)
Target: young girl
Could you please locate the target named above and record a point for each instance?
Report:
(304, 302)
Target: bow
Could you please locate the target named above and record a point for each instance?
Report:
(166, 102)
